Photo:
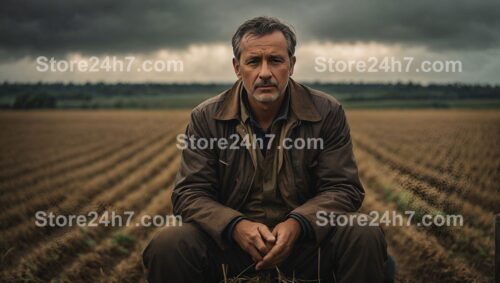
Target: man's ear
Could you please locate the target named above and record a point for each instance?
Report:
(236, 66)
(293, 59)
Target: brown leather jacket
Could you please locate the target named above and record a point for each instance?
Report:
(212, 183)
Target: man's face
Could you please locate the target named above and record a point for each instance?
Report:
(264, 66)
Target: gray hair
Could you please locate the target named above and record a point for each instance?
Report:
(261, 26)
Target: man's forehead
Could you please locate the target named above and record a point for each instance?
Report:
(273, 42)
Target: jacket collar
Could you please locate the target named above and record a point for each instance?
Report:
(300, 101)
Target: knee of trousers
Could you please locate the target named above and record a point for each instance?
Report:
(361, 230)
(171, 242)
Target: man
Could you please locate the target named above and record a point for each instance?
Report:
(254, 208)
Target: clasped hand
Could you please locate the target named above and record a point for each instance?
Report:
(267, 248)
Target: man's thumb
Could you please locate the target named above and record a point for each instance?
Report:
(266, 234)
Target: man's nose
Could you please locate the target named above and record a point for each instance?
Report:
(265, 72)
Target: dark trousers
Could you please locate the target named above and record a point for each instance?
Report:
(187, 254)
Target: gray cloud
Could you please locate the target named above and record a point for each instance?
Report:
(436, 24)
(33, 27)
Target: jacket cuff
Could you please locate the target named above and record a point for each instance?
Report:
(227, 234)
(306, 230)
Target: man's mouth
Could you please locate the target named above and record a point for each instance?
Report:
(266, 86)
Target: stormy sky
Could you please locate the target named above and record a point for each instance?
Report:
(198, 33)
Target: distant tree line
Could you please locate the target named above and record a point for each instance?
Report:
(33, 101)
(89, 95)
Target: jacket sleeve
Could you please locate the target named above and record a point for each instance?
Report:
(195, 193)
(338, 187)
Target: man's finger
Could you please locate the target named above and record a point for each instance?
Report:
(261, 246)
(275, 232)
(254, 253)
(278, 246)
(266, 234)
(270, 257)
(276, 259)
(280, 257)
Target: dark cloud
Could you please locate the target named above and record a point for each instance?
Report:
(440, 24)
(37, 27)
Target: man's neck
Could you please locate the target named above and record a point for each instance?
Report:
(265, 112)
